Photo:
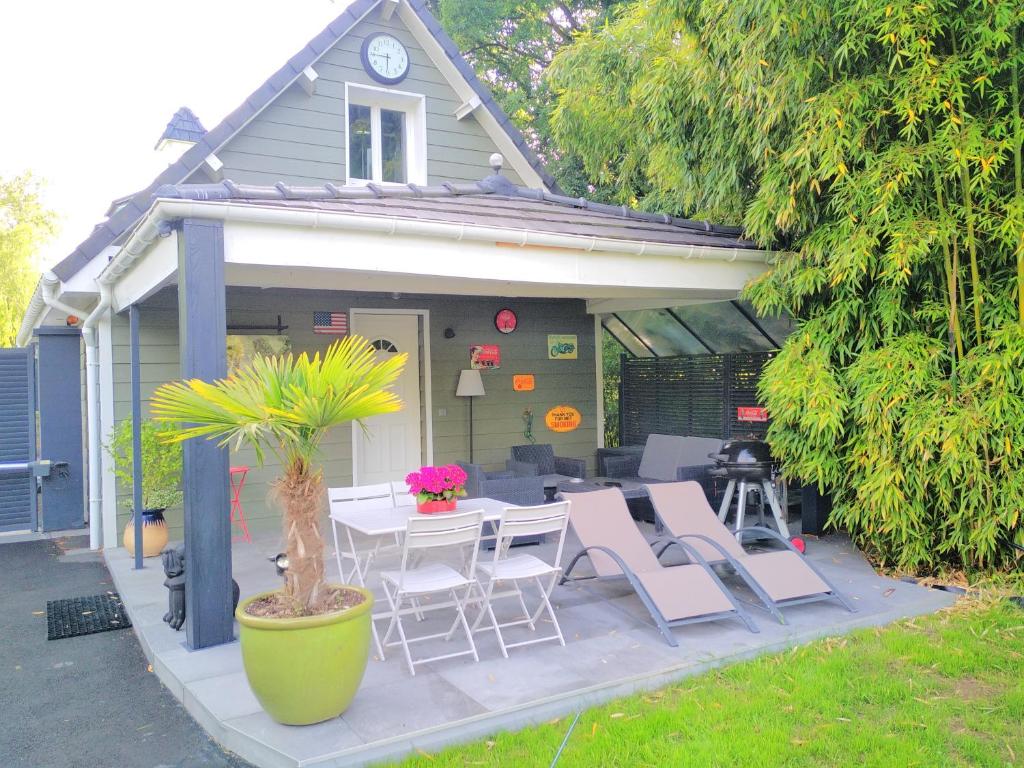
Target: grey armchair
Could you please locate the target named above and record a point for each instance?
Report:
(540, 459)
(476, 476)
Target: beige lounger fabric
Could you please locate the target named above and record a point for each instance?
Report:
(601, 518)
(685, 511)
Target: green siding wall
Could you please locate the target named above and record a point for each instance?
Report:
(301, 138)
(498, 422)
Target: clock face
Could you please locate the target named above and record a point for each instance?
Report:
(385, 59)
(506, 321)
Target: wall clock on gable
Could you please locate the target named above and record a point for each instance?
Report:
(385, 59)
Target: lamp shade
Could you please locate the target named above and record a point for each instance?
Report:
(470, 384)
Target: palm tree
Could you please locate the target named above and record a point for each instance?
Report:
(287, 405)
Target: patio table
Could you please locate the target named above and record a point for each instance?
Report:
(395, 520)
(630, 489)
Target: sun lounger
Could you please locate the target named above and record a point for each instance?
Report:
(674, 595)
(780, 578)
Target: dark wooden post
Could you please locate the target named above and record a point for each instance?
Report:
(133, 340)
(202, 337)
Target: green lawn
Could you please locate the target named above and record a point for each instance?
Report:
(941, 690)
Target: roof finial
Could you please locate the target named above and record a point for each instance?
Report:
(496, 161)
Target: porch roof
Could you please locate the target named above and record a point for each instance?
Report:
(494, 201)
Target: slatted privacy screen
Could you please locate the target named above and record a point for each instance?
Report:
(689, 395)
(17, 439)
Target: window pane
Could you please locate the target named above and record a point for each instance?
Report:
(662, 332)
(392, 144)
(360, 143)
(778, 328)
(615, 327)
(723, 327)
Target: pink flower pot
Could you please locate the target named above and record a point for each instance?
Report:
(435, 506)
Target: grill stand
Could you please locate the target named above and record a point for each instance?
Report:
(768, 494)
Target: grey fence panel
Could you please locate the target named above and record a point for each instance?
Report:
(17, 439)
(689, 395)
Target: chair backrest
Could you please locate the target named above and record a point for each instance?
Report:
(379, 496)
(602, 519)
(533, 521)
(523, 491)
(663, 454)
(445, 530)
(685, 511)
(400, 492)
(541, 454)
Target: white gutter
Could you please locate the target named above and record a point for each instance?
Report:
(163, 211)
(50, 290)
(35, 308)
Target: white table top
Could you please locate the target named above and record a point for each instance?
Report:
(380, 522)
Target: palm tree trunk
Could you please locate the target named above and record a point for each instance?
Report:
(301, 494)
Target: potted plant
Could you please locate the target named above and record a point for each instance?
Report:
(161, 481)
(437, 488)
(305, 646)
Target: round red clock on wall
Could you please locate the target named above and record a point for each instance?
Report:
(506, 321)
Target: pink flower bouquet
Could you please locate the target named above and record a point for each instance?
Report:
(437, 488)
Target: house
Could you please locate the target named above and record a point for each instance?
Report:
(372, 182)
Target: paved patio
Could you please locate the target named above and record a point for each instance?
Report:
(613, 649)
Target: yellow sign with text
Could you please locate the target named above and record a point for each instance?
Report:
(563, 418)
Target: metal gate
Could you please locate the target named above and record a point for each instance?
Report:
(17, 440)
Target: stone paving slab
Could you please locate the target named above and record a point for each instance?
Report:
(612, 650)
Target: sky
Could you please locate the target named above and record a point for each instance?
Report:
(89, 85)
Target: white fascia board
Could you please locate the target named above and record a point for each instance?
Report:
(214, 167)
(466, 93)
(606, 306)
(147, 274)
(568, 272)
(388, 8)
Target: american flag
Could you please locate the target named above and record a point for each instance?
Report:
(330, 322)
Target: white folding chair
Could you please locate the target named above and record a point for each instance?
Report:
(409, 583)
(400, 490)
(359, 497)
(524, 568)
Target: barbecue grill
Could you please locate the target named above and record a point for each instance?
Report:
(747, 465)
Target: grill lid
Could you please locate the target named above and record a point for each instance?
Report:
(744, 451)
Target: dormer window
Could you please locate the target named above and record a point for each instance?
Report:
(385, 136)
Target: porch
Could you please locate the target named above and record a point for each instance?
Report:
(612, 649)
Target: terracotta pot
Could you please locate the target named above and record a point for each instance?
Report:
(435, 506)
(154, 533)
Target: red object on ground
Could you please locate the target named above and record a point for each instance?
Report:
(799, 543)
(434, 506)
(237, 475)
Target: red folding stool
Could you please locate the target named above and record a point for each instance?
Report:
(237, 513)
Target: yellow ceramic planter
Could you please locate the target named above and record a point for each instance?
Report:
(154, 533)
(308, 669)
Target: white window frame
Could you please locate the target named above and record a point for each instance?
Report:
(414, 105)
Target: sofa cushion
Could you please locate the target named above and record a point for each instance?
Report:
(664, 453)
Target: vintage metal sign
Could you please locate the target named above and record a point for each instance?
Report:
(751, 414)
(485, 356)
(523, 382)
(563, 418)
(562, 346)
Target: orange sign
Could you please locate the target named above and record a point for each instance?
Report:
(562, 418)
(522, 382)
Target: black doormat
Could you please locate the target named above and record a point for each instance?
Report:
(85, 616)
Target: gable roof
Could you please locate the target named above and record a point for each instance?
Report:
(493, 201)
(183, 126)
(122, 219)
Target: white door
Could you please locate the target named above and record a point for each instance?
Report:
(389, 448)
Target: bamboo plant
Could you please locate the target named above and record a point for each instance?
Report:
(285, 406)
(876, 145)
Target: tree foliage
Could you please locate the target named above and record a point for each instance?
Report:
(25, 224)
(510, 44)
(878, 144)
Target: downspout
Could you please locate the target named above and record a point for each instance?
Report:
(50, 286)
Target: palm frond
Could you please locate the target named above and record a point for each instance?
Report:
(285, 404)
